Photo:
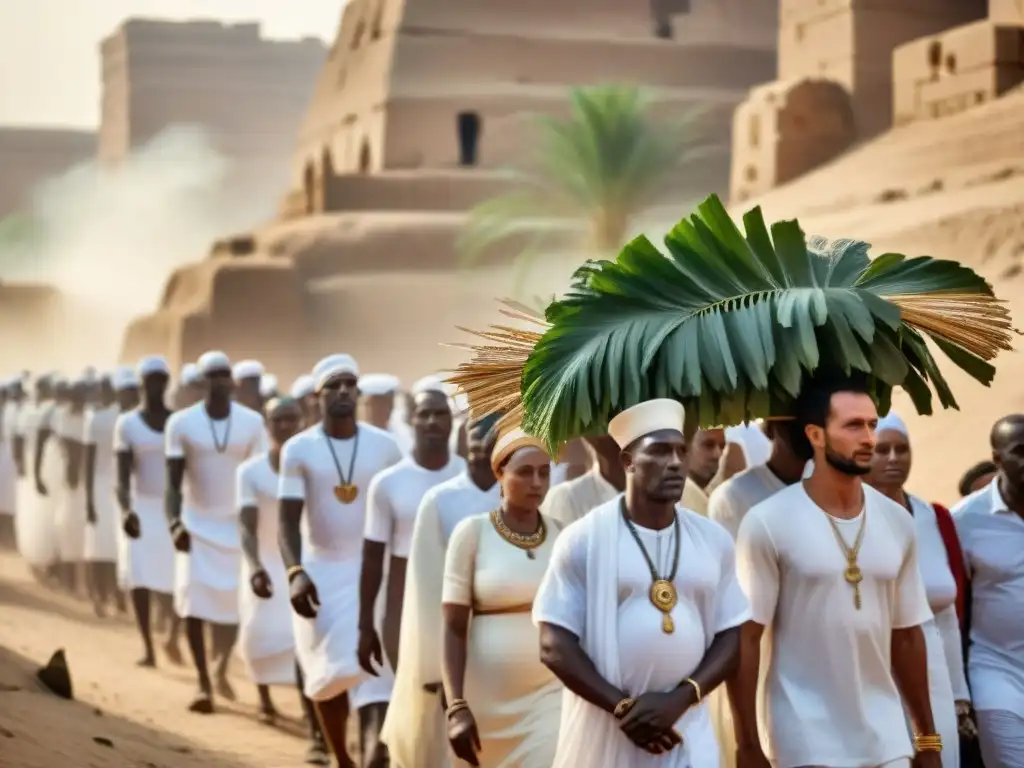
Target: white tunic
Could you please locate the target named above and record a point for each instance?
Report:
(206, 577)
(992, 538)
(332, 547)
(597, 588)
(35, 525)
(394, 498)
(266, 641)
(8, 471)
(414, 726)
(101, 538)
(71, 517)
(573, 499)
(829, 695)
(148, 561)
(730, 502)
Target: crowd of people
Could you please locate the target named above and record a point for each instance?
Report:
(659, 596)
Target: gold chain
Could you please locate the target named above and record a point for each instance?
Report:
(520, 540)
(853, 574)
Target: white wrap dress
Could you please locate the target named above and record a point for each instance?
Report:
(71, 517)
(101, 538)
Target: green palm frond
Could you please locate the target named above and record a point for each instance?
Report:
(590, 174)
(732, 323)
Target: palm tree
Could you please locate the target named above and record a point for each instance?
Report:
(589, 176)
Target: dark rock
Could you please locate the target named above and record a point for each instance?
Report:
(103, 741)
(56, 676)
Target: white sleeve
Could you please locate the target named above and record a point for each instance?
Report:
(911, 609)
(731, 605)
(460, 563)
(245, 490)
(949, 627)
(757, 566)
(89, 429)
(722, 511)
(380, 515)
(561, 599)
(261, 441)
(174, 441)
(292, 484)
(121, 442)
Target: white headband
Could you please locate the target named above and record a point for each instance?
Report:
(429, 384)
(893, 421)
(147, 366)
(333, 366)
(212, 362)
(373, 384)
(123, 378)
(247, 369)
(303, 386)
(189, 375)
(645, 418)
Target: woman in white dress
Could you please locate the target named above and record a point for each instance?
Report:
(34, 526)
(503, 704)
(69, 428)
(266, 641)
(101, 532)
(951, 699)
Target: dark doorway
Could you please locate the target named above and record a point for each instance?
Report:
(364, 157)
(469, 137)
(309, 188)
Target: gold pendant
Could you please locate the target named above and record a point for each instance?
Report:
(346, 493)
(664, 597)
(854, 577)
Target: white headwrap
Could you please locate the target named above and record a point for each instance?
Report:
(429, 384)
(645, 418)
(893, 421)
(212, 362)
(268, 385)
(333, 366)
(151, 364)
(247, 369)
(123, 377)
(373, 384)
(189, 375)
(303, 386)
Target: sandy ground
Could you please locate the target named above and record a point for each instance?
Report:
(123, 717)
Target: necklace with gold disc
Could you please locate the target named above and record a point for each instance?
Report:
(663, 594)
(853, 574)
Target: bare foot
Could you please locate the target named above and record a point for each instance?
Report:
(268, 716)
(224, 689)
(146, 662)
(201, 704)
(173, 653)
(317, 754)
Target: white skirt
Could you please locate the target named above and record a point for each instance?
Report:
(206, 577)
(101, 536)
(71, 523)
(266, 642)
(326, 646)
(148, 561)
(34, 526)
(8, 481)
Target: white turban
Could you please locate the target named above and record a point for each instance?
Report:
(750, 437)
(333, 366)
(152, 364)
(212, 362)
(189, 375)
(304, 386)
(893, 421)
(123, 377)
(268, 385)
(247, 369)
(373, 384)
(429, 384)
(645, 418)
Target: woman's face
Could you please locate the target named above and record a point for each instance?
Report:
(525, 478)
(890, 463)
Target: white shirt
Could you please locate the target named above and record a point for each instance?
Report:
(309, 472)
(99, 432)
(459, 498)
(574, 498)
(209, 471)
(133, 435)
(69, 425)
(394, 498)
(830, 698)
(730, 502)
(9, 421)
(257, 484)
(992, 538)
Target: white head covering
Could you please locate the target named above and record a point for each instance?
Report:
(189, 375)
(154, 364)
(750, 437)
(645, 418)
(892, 421)
(333, 366)
(268, 384)
(373, 384)
(211, 362)
(429, 384)
(512, 441)
(123, 378)
(303, 386)
(247, 369)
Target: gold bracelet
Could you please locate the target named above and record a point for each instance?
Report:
(696, 687)
(927, 742)
(623, 707)
(294, 571)
(456, 706)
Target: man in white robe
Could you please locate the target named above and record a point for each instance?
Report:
(830, 567)
(414, 726)
(640, 610)
(573, 499)
(248, 376)
(304, 391)
(990, 523)
(378, 393)
(191, 386)
(394, 500)
(326, 472)
(204, 446)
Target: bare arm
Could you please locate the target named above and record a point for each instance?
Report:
(172, 497)
(742, 686)
(290, 533)
(369, 582)
(89, 452)
(37, 461)
(719, 663)
(560, 652)
(910, 670)
(249, 523)
(125, 464)
(18, 451)
(73, 453)
(393, 615)
(453, 654)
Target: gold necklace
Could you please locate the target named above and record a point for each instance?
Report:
(853, 574)
(662, 594)
(527, 542)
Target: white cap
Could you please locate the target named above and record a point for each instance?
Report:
(429, 384)
(189, 375)
(892, 421)
(212, 362)
(752, 440)
(247, 369)
(372, 384)
(645, 418)
(152, 364)
(332, 366)
(123, 377)
(304, 386)
(268, 385)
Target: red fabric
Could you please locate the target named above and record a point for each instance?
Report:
(947, 529)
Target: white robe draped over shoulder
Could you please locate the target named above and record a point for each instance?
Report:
(597, 588)
(206, 577)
